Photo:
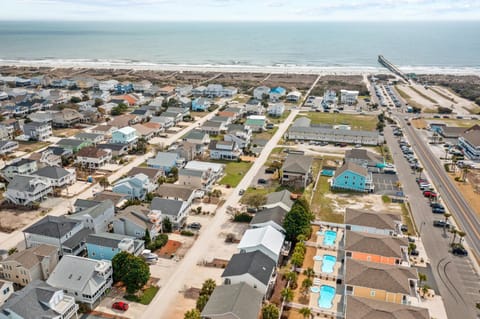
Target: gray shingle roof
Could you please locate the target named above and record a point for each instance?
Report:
(257, 264)
(195, 135)
(280, 197)
(23, 183)
(167, 206)
(237, 301)
(366, 308)
(52, 226)
(52, 172)
(177, 191)
(70, 142)
(95, 210)
(368, 219)
(19, 163)
(297, 163)
(275, 214)
(351, 166)
(85, 203)
(363, 154)
(107, 239)
(381, 245)
(190, 172)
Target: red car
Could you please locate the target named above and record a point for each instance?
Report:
(429, 194)
(120, 305)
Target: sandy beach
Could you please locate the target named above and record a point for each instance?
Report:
(280, 69)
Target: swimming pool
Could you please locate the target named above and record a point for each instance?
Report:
(315, 289)
(328, 262)
(326, 297)
(329, 237)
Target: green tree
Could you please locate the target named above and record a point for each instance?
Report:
(291, 277)
(270, 311)
(287, 294)
(202, 302)
(421, 278)
(306, 284)
(103, 181)
(305, 312)
(75, 99)
(461, 235)
(167, 226)
(133, 271)
(208, 287)
(174, 172)
(12, 251)
(98, 102)
(147, 238)
(297, 221)
(297, 259)
(192, 314)
(309, 272)
(256, 200)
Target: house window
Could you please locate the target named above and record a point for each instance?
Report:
(349, 254)
(369, 258)
(372, 293)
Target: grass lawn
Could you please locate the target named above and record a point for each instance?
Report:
(277, 120)
(357, 122)
(459, 123)
(234, 172)
(407, 219)
(267, 134)
(321, 205)
(198, 114)
(146, 297)
(31, 146)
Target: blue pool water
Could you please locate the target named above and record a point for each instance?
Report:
(328, 263)
(329, 239)
(326, 297)
(315, 289)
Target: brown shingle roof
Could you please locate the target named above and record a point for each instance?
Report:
(364, 308)
(350, 166)
(391, 278)
(28, 258)
(175, 191)
(368, 219)
(122, 120)
(363, 154)
(152, 173)
(297, 164)
(386, 246)
(472, 137)
(142, 129)
(92, 152)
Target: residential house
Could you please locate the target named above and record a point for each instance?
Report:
(348, 97)
(115, 148)
(123, 88)
(254, 268)
(68, 235)
(469, 142)
(254, 107)
(197, 137)
(93, 138)
(104, 246)
(142, 114)
(85, 279)
(391, 283)
(304, 131)
(296, 171)
(93, 157)
(184, 90)
(352, 177)
(66, 118)
(329, 98)
(261, 92)
(223, 150)
(276, 109)
(188, 151)
(73, 144)
(257, 123)
(366, 308)
(276, 93)
(240, 134)
(373, 222)
(134, 220)
(175, 210)
(118, 200)
(41, 117)
(211, 172)
(107, 85)
(105, 130)
(82, 204)
(57, 176)
(376, 248)
(11, 126)
(136, 187)
(199, 91)
(85, 83)
(177, 192)
(200, 105)
(127, 99)
(142, 86)
(35, 263)
(37, 131)
(6, 290)
(125, 135)
(27, 190)
(39, 300)
(156, 127)
(281, 199)
(124, 120)
(194, 178)
(97, 218)
(166, 91)
(164, 161)
(294, 96)
(364, 158)
(176, 116)
(213, 128)
(183, 110)
(166, 122)
(153, 174)
(273, 217)
(268, 240)
(8, 147)
(145, 132)
(239, 301)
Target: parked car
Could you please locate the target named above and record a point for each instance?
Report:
(441, 223)
(414, 252)
(438, 210)
(270, 170)
(411, 239)
(459, 251)
(195, 226)
(404, 228)
(120, 305)
(262, 181)
(436, 205)
(429, 194)
(241, 192)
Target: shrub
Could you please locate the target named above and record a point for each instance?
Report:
(242, 218)
(186, 233)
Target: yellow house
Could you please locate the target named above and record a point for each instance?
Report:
(390, 283)
(364, 308)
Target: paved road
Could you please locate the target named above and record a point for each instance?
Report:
(162, 302)
(457, 281)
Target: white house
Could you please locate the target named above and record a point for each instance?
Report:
(260, 92)
(8, 147)
(93, 157)
(58, 176)
(294, 96)
(224, 150)
(329, 97)
(85, 279)
(348, 97)
(6, 290)
(125, 135)
(276, 109)
(175, 210)
(27, 190)
(268, 240)
(97, 218)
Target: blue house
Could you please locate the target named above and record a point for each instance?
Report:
(125, 135)
(200, 105)
(104, 246)
(123, 88)
(164, 161)
(134, 187)
(352, 177)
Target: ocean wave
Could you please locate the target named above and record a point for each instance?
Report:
(233, 66)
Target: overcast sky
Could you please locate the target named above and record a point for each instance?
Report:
(240, 10)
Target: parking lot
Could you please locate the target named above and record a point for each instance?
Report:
(385, 184)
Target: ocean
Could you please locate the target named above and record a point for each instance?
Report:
(414, 46)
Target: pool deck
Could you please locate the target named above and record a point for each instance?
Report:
(338, 241)
(317, 264)
(337, 300)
